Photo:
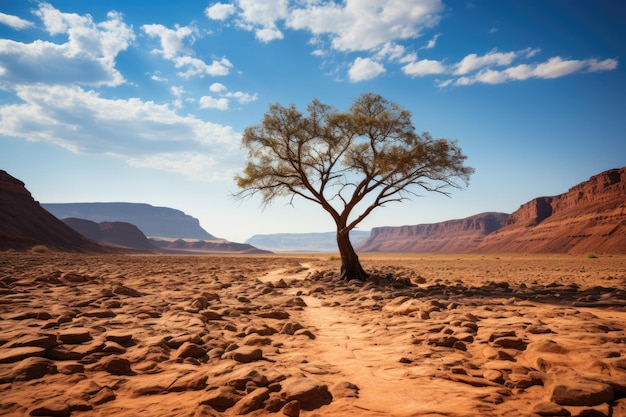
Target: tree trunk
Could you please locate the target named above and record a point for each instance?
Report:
(350, 265)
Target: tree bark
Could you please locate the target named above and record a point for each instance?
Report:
(350, 265)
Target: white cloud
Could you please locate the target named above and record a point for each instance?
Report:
(424, 67)
(135, 130)
(198, 68)
(268, 34)
(219, 11)
(360, 25)
(174, 48)
(172, 41)
(365, 69)
(242, 97)
(217, 88)
(15, 22)
(554, 67)
(208, 102)
(432, 43)
(222, 103)
(473, 62)
(88, 56)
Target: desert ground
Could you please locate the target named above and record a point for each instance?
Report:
(427, 335)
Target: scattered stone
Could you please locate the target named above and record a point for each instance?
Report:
(245, 354)
(127, 291)
(55, 408)
(116, 365)
(291, 327)
(275, 314)
(75, 335)
(113, 348)
(106, 394)
(42, 340)
(581, 392)
(550, 409)
(221, 398)
(251, 402)
(20, 353)
(118, 337)
(33, 368)
(190, 350)
(291, 409)
(307, 391)
(509, 343)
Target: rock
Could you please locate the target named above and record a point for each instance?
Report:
(442, 340)
(307, 391)
(41, 340)
(55, 408)
(75, 335)
(106, 394)
(100, 313)
(190, 350)
(550, 409)
(291, 409)
(251, 402)
(114, 348)
(118, 337)
(191, 382)
(509, 343)
(493, 375)
(275, 314)
(33, 368)
(304, 332)
(116, 366)
(290, 328)
(20, 353)
(241, 377)
(221, 398)
(581, 392)
(245, 354)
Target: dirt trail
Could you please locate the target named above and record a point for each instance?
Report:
(368, 354)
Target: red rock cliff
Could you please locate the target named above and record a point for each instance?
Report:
(24, 223)
(453, 236)
(590, 217)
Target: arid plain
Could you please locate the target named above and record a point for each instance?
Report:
(427, 335)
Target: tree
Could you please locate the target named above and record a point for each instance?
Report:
(349, 162)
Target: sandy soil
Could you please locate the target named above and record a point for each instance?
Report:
(481, 335)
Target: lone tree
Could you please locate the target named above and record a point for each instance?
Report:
(347, 162)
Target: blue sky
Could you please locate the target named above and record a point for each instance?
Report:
(146, 101)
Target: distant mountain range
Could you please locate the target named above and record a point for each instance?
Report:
(304, 242)
(151, 220)
(590, 217)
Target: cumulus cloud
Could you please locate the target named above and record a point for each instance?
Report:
(175, 46)
(473, 62)
(15, 22)
(88, 56)
(554, 67)
(223, 101)
(365, 69)
(219, 11)
(424, 67)
(360, 25)
(208, 102)
(141, 132)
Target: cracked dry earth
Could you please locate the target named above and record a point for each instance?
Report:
(153, 335)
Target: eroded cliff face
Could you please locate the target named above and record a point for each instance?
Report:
(453, 236)
(24, 223)
(590, 217)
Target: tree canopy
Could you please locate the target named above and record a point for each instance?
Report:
(348, 162)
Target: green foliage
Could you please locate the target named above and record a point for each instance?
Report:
(40, 249)
(336, 159)
(592, 255)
